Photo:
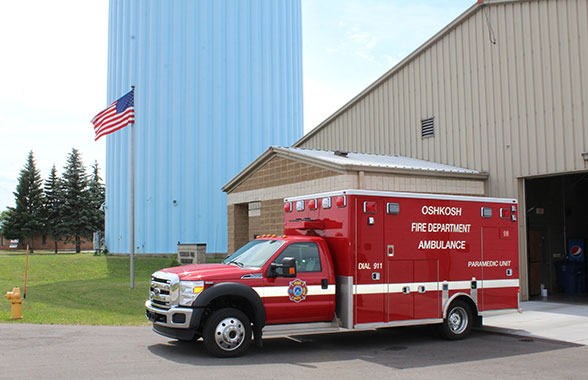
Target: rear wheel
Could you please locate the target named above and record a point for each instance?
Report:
(458, 323)
(227, 333)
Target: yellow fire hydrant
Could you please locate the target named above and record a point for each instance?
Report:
(16, 300)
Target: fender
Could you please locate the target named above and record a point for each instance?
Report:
(459, 294)
(233, 289)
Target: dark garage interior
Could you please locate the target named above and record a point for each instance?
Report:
(557, 231)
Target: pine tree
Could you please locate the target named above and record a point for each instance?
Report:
(4, 220)
(76, 217)
(26, 219)
(97, 197)
(53, 200)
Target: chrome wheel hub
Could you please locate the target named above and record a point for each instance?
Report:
(229, 334)
(458, 320)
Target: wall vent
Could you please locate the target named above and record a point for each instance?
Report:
(428, 127)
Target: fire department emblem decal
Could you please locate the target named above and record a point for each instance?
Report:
(297, 290)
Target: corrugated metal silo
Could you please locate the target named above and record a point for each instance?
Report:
(217, 82)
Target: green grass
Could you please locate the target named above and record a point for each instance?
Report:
(78, 288)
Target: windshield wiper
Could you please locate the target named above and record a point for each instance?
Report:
(237, 263)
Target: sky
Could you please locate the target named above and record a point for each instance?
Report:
(53, 68)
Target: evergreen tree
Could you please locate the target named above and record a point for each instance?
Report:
(53, 200)
(10, 228)
(97, 197)
(3, 220)
(76, 217)
(26, 219)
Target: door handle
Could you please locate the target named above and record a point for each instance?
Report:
(324, 283)
(406, 290)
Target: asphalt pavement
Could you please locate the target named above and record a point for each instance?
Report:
(513, 346)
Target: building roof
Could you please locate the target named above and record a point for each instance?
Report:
(344, 162)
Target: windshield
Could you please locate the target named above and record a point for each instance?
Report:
(255, 253)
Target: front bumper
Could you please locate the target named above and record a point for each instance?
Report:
(175, 317)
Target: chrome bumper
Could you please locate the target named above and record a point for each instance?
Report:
(181, 315)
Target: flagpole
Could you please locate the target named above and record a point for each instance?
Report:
(133, 201)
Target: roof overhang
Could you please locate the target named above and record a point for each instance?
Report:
(340, 168)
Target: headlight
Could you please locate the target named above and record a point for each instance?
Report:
(189, 290)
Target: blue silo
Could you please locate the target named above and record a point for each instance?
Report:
(217, 82)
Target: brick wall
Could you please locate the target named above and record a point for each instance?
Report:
(281, 171)
(243, 227)
(266, 218)
(424, 184)
(271, 220)
(48, 244)
(238, 226)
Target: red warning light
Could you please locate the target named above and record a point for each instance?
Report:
(287, 206)
(341, 201)
(369, 207)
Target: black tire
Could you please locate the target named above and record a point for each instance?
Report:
(227, 333)
(458, 323)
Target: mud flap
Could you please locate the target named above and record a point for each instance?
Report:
(257, 336)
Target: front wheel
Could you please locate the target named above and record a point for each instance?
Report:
(227, 333)
(458, 323)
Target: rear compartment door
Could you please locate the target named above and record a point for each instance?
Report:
(400, 296)
(500, 274)
(426, 292)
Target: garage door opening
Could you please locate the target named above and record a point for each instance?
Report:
(557, 234)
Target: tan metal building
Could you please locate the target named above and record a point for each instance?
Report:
(503, 89)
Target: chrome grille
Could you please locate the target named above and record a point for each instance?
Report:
(163, 291)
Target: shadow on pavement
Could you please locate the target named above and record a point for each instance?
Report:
(409, 347)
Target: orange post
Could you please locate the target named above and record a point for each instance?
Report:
(26, 272)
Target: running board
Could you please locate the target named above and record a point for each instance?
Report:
(270, 331)
(285, 330)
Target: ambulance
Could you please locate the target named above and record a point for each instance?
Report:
(350, 260)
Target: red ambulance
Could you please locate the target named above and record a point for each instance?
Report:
(350, 260)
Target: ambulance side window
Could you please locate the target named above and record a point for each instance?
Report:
(306, 255)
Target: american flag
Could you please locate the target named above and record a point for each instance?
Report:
(118, 115)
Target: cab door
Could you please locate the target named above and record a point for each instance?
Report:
(308, 297)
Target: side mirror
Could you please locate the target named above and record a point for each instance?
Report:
(289, 267)
(286, 269)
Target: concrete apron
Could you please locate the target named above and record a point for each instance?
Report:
(550, 320)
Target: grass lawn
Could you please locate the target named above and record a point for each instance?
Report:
(78, 288)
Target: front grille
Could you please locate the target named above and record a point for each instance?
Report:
(160, 304)
(163, 291)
